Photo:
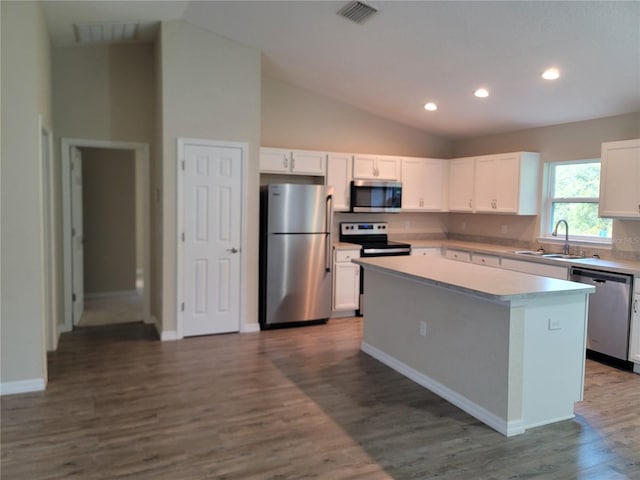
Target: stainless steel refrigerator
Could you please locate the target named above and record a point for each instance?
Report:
(295, 254)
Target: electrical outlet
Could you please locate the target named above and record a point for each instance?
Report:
(423, 328)
(555, 324)
(463, 226)
(503, 229)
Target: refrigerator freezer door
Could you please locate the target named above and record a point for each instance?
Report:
(298, 208)
(298, 286)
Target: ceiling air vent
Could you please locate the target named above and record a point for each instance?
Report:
(357, 12)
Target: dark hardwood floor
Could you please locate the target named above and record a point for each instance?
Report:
(286, 404)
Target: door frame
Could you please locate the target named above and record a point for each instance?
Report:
(141, 151)
(49, 240)
(180, 156)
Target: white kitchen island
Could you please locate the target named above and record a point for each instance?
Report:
(506, 347)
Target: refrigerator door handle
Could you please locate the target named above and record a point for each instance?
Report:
(328, 228)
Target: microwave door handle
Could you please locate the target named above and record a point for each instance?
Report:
(329, 237)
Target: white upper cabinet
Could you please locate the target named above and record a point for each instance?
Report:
(424, 184)
(503, 183)
(275, 160)
(461, 172)
(507, 183)
(620, 179)
(376, 167)
(297, 162)
(339, 167)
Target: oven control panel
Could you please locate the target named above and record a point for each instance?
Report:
(363, 228)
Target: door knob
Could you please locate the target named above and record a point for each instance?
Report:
(232, 250)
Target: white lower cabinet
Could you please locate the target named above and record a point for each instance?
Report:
(458, 255)
(535, 268)
(346, 281)
(426, 251)
(634, 341)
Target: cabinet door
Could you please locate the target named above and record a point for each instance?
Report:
(370, 167)
(507, 183)
(346, 287)
(305, 162)
(275, 160)
(634, 341)
(461, 184)
(364, 167)
(620, 179)
(485, 184)
(388, 168)
(339, 177)
(423, 184)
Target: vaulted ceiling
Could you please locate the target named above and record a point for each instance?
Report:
(413, 52)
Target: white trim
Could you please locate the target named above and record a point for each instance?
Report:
(169, 335)
(504, 427)
(141, 154)
(22, 386)
(250, 328)
(343, 314)
(244, 148)
(48, 237)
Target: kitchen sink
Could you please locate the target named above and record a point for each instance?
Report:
(538, 253)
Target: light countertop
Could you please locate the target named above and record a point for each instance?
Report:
(346, 246)
(629, 267)
(492, 283)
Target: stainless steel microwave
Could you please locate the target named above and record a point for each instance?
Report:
(375, 196)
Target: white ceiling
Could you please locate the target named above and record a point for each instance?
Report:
(412, 52)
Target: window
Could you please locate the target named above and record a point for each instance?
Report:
(574, 190)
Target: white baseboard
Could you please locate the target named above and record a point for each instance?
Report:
(499, 424)
(116, 293)
(636, 368)
(343, 314)
(250, 328)
(169, 335)
(22, 386)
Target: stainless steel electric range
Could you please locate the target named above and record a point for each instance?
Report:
(374, 242)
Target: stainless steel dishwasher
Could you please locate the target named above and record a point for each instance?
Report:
(609, 311)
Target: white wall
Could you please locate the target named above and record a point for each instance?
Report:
(108, 92)
(297, 118)
(25, 93)
(210, 90)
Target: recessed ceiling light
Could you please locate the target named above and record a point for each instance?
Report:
(430, 106)
(551, 74)
(481, 93)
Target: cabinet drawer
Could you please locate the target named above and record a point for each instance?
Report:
(346, 255)
(426, 251)
(488, 260)
(458, 255)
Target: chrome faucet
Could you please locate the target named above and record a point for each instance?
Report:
(565, 249)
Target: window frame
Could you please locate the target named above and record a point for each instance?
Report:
(547, 226)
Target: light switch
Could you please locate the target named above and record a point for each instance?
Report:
(555, 324)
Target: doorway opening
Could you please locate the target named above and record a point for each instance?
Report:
(106, 232)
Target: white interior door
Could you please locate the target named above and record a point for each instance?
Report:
(77, 236)
(211, 216)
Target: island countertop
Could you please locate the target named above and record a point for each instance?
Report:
(491, 283)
